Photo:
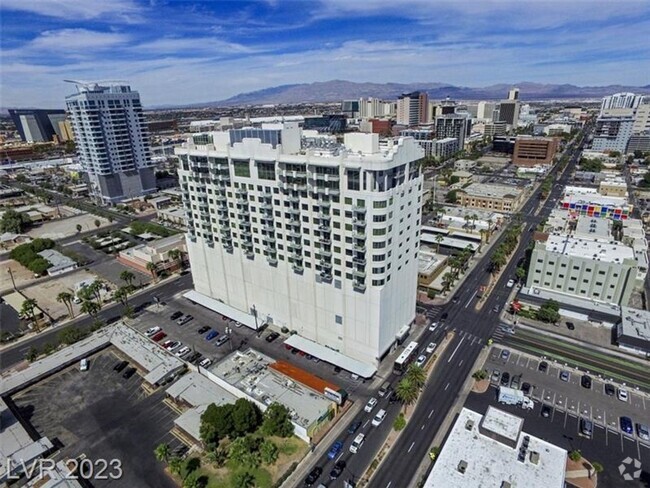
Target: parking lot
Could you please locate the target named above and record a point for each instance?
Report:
(100, 414)
(569, 396)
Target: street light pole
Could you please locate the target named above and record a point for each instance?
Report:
(13, 283)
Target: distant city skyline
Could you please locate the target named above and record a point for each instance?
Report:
(181, 52)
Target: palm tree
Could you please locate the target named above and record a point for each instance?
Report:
(127, 276)
(27, 310)
(417, 375)
(497, 260)
(439, 238)
(243, 479)
(151, 267)
(447, 281)
(175, 465)
(467, 219)
(66, 298)
(175, 255)
(122, 295)
(474, 218)
(95, 287)
(162, 452)
(90, 307)
(407, 392)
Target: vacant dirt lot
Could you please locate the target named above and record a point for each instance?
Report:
(59, 229)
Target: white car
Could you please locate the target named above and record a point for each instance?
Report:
(421, 360)
(372, 403)
(510, 283)
(173, 346)
(84, 365)
(622, 395)
(357, 443)
(379, 418)
(205, 363)
(152, 331)
(431, 347)
(182, 351)
(433, 326)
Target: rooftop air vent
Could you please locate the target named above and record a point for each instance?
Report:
(462, 467)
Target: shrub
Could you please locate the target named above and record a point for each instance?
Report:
(400, 422)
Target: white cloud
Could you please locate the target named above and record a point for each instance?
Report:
(77, 9)
(192, 46)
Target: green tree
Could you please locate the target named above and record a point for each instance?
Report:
(400, 422)
(127, 276)
(175, 255)
(598, 468)
(277, 421)
(245, 451)
(14, 222)
(439, 238)
(122, 295)
(217, 456)
(162, 452)
(451, 196)
(268, 452)
(66, 298)
(479, 374)
(520, 273)
(96, 288)
(90, 307)
(246, 417)
(497, 260)
(28, 310)
(575, 455)
(193, 480)
(70, 335)
(151, 267)
(79, 228)
(549, 311)
(243, 479)
(407, 391)
(175, 465)
(31, 354)
(417, 375)
(216, 423)
(97, 223)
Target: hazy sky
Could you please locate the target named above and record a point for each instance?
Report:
(177, 52)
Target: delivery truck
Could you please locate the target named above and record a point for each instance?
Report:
(510, 396)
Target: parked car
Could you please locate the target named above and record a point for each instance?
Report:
(510, 283)
(222, 340)
(505, 378)
(184, 320)
(120, 366)
(238, 324)
(338, 469)
(515, 382)
(496, 375)
(174, 346)
(354, 426)
(379, 418)
(609, 389)
(83, 365)
(585, 381)
(622, 395)
(543, 367)
(182, 351)
(526, 388)
(128, 373)
(443, 317)
(431, 347)
(159, 336)
(295, 350)
(357, 443)
(433, 326)
(205, 363)
(152, 331)
(626, 425)
(586, 427)
(545, 411)
(421, 360)
(570, 326)
(335, 449)
(176, 315)
(211, 335)
(203, 330)
(565, 375)
(393, 398)
(372, 403)
(505, 354)
(643, 432)
(272, 336)
(167, 343)
(193, 357)
(313, 476)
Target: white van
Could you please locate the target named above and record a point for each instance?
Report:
(357, 443)
(83, 366)
(379, 418)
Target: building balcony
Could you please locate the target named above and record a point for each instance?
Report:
(222, 211)
(241, 192)
(325, 264)
(325, 177)
(225, 231)
(359, 286)
(223, 219)
(221, 198)
(298, 267)
(242, 202)
(359, 273)
(267, 218)
(359, 210)
(272, 260)
(296, 256)
(293, 210)
(228, 247)
(325, 204)
(325, 228)
(326, 241)
(358, 247)
(359, 222)
(324, 217)
(268, 228)
(266, 206)
(246, 233)
(221, 178)
(297, 246)
(294, 233)
(287, 173)
(325, 252)
(293, 198)
(359, 234)
(324, 276)
(270, 239)
(243, 212)
(359, 261)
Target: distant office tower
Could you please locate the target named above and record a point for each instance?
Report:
(307, 233)
(485, 110)
(350, 108)
(112, 140)
(329, 123)
(513, 94)
(37, 125)
(640, 140)
(620, 100)
(370, 108)
(412, 109)
(533, 151)
(452, 125)
(509, 112)
(494, 129)
(613, 132)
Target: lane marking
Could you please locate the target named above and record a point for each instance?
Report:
(389, 483)
(366, 422)
(430, 414)
(411, 446)
(471, 298)
(453, 353)
(461, 361)
(422, 428)
(446, 386)
(340, 456)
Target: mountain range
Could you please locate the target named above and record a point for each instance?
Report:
(337, 90)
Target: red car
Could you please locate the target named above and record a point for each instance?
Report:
(158, 336)
(288, 347)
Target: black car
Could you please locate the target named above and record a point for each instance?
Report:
(526, 387)
(176, 315)
(337, 370)
(393, 398)
(295, 350)
(609, 389)
(128, 373)
(120, 366)
(505, 378)
(570, 326)
(455, 299)
(338, 469)
(193, 357)
(272, 336)
(543, 366)
(203, 330)
(354, 426)
(546, 411)
(313, 476)
(585, 381)
(443, 317)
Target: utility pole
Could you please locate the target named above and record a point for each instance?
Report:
(13, 283)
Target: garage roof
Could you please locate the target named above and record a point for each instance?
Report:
(237, 315)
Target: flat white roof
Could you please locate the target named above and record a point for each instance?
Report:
(597, 250)
(215, 305)
(502, 423)
(334, 357)
(491, 190)
(448, 242)
(489, 463)
(635, 323)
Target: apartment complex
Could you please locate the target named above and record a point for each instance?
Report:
(534, 151)
(593, 269)
(295, 229)
(620, 100)
(452, 126)
(501, 198)
(613, 131)
(112, 141)
(412, 109)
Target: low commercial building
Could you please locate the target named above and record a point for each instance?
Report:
(173, 215)
(501, 198)
(463, 176)
(430, 265)
(493, 450)
(593, 270)
(534, 151)
(613, 187)
(59, 263)
(464, 164)
(587, 201)
(633, 332)
(156, 252)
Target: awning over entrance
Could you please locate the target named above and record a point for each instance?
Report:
(232, 313)
(336, 358)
